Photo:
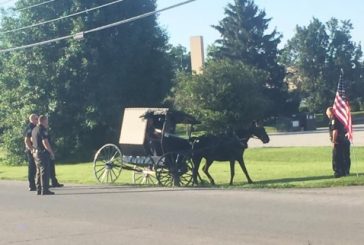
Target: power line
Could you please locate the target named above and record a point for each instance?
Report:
(137, 17)
(27, 7)
(36, 44)
(60, 18)
(33, 6)
(78, 35)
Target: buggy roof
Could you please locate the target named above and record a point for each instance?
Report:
(178, 117)
(134, 122)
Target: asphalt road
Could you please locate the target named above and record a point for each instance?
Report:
(128, 215)
(319, 137)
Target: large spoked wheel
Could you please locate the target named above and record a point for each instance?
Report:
(144, 175)
(174, 169)
(108, 163)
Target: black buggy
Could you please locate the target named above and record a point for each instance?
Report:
(152, 146)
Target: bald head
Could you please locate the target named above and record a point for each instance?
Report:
(330, 112)
(33, 118)
(43, 120)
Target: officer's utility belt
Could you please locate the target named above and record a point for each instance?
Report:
(39, 151)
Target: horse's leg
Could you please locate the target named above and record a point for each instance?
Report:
(206, 171)
(232, 171)
(196, 162)
(242, 165)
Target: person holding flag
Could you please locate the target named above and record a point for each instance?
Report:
(341, 133)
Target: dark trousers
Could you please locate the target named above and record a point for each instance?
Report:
(52, 172)
(32, 169)
(346, 157)
(341, 158)
(42, 161)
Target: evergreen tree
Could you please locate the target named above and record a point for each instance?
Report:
(244, 38)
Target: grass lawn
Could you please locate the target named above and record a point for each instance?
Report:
(268, 167)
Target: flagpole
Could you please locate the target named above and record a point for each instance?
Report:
(355, 160)
(352, 147)
(352, 141)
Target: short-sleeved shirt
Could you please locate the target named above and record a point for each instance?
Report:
(28, 130)
(39, 133)
(335, 124)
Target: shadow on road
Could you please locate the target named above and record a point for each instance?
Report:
(93, 190)
(130, 189)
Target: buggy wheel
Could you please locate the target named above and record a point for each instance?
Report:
(108, 163)
(174, 169)
(144, 175)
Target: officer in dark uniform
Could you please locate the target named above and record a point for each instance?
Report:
(33, 119)
(341, 146)
(42, 154)
(347, 159)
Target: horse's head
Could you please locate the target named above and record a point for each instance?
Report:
(258, 131)
(255, 130)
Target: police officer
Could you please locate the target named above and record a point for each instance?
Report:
(341, 145)
(42, 154)
(33, 119)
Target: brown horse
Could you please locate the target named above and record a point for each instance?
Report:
(225, 148)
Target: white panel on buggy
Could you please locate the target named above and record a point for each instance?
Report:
(133, 126)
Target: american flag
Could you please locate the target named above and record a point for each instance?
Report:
(342, 108)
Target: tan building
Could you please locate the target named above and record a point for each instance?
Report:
(197, 54)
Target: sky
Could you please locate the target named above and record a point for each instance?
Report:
(197, 17)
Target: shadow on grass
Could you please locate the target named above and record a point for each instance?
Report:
(299, 179)
(283, 182)
(305, 182)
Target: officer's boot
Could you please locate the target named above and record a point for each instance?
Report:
(45, 181)
(55, 183)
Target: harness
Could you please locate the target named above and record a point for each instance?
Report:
(243, 141)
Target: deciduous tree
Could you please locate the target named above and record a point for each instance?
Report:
(226, 96)
(82, 85)
(317, 53)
